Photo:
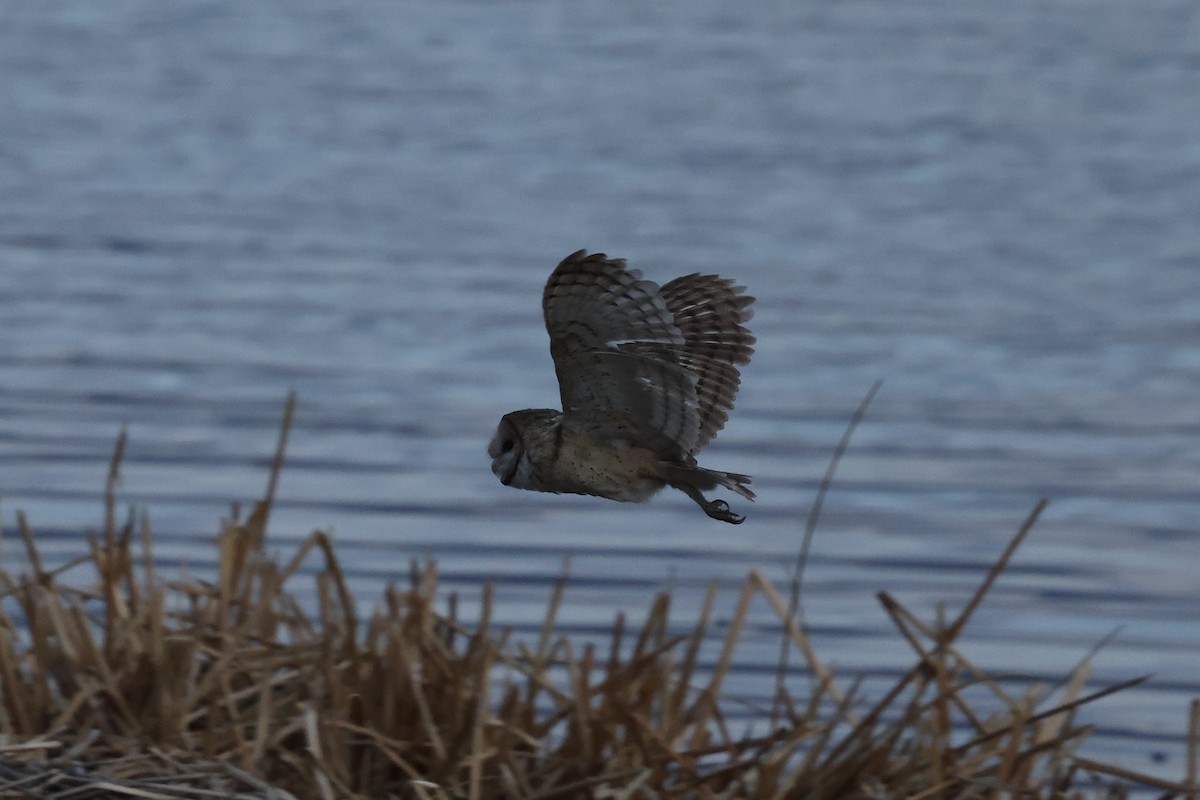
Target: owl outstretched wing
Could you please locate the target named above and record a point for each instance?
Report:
(617, 353)
(711, 313)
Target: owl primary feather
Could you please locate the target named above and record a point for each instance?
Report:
(647, 376)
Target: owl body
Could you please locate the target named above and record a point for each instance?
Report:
(647, 376)
(564, 461)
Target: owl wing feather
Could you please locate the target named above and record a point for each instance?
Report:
(710, 313)
(619, 356)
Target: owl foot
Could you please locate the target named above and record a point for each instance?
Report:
(719, 509)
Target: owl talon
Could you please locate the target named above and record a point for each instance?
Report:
(719, 509)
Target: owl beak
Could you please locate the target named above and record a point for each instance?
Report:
(510, 473)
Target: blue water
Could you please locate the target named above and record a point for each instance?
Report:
(991, 206)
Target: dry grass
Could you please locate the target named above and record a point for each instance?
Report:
(145, 687)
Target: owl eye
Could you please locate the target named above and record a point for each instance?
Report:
(506, 446)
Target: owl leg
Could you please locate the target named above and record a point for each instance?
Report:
(717, 509)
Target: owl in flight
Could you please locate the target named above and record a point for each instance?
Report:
(647, 376)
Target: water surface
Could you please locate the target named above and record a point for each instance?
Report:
(989, 206)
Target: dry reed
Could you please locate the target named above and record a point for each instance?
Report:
(145, 687)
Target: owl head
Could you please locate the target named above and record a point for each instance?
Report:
(523, 441)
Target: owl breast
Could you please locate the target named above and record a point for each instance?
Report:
(614, 470)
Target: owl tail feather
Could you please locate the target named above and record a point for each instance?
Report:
(692, 481)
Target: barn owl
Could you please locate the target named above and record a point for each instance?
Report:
(647, 377)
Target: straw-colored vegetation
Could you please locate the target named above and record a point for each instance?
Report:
(145, 687)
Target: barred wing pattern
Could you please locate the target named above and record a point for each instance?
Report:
(650, 366)
(612, 338)
(711, 313)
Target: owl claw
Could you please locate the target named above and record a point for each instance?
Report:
(719, 509)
